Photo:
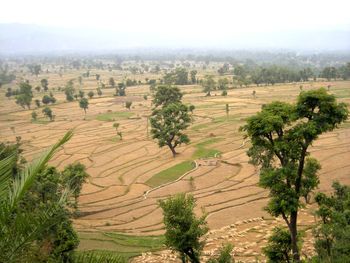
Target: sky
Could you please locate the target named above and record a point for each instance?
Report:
(194, 21)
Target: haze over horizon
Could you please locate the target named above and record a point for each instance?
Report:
(45, 26)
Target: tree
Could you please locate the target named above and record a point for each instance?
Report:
(97, 77)
(329, 73)
(279, 247)
(280, 137)
(168, 124)
(120, 135)
(37, 103)
(80, 80)
(208, 84)
(223, 84)
(91, 94)
(111, 82)
(81, 94)
(183, 230)
(99, 92)
(193, 74)
(69, 91)
(74, 175)
(35, 69)
(38, 88)
(128, 104)
(120, 90)
(25, 95)
(46, 99)
(34, 115)
(48, 113)
(332, 233)
(84, 104)
(166, 94)
(44, 84)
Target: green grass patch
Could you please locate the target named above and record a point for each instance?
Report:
(203, 152)
(113, 116)
(229, 118)
(200, 126)
(41, 121)
(127, 246)
(170, 174)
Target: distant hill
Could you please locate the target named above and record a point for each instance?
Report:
(24, 39)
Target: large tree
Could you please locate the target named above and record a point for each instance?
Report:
(168, 124)
(183, 230)
(280, 137)
(166, 94)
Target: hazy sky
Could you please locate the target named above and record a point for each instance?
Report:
(216, 17)
(243, 24)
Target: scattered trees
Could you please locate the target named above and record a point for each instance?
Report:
(280, 136)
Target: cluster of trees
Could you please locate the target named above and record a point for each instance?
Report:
(209, 85)
(6, 77)
(342, 72)
(180, 76)
(170, 117)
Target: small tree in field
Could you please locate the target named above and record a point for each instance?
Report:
(91, 94)
(128, 105)
(208, 85)
(34, 115)
(48, 113)
(183, 230)
(280, 137)
(120, 135)
(99, 92)
(44, 84)
(37, 103)
(84, 104)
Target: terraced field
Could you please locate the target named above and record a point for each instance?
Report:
(129, 176)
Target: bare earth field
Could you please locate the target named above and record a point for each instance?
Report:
(117, 197)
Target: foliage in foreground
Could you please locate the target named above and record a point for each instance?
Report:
(280, 137)
(184, 231)
(333, 232)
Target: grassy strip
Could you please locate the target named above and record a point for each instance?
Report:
(170, 174)
(174, 172)
(203, 152)
(112, 116)
(127, 246)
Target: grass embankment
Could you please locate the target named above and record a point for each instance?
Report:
(125, 245)
(176, 171)
(113, 116)
(170, 174)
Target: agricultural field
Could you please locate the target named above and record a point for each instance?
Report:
(118, 206)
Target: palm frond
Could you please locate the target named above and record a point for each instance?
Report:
(6, 166)
(27, 176)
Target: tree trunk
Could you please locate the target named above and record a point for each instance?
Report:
(294, 236)
(172, 150)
